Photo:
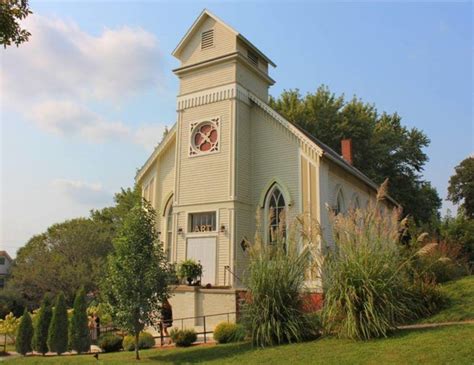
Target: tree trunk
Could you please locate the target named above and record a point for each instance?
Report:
(137, 355)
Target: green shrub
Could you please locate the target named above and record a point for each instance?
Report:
(443, 261)
(25, 334)
(229, 332)
(427, 295)
(367, 286)
(183, 338)
(40, 338)
(58, 328)
(275, 279)
(313, 326)
(110, 342)
(145, 341)
(79, 334)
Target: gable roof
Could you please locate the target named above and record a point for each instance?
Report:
(327, 151)
(338, 159)
(160, 147)
(200, 19)
(5, 254)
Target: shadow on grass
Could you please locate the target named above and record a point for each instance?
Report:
(203, 354)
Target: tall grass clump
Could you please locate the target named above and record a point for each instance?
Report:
(366, 281)
(275, 279)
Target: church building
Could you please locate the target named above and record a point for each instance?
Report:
(230, 154)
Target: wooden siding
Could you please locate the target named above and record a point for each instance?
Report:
(165, 185)
(206, 78)
(205, 178)
(249, 80)
(224, 43)
(244, 153)
(243, 49)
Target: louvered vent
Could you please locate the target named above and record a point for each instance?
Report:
(207, 39)
(252, 57)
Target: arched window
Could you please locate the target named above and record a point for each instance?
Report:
(339, 208)
(169, 230)
(355, 202)
(275, 213)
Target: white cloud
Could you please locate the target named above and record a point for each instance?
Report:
(69, 119)
(62, 60)
(61, 70)
(93, 195)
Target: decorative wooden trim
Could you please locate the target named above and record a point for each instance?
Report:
(214, 95)
(169, 137)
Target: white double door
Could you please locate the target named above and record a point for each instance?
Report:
(203, 250)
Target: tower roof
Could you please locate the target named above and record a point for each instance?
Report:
(200, 19)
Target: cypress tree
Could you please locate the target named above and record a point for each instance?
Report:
(25, 334)
(79, 336)
(40, 339)
(58, 328)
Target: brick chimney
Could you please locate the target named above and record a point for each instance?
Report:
(346, 150)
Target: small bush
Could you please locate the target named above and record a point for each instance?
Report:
(313, 326)
(229, 332)
(40, 338)
(444, 261)
(110, 343)
(79, 335)
(183, 338)
(426, 293)
(25, 334)
(58, 327)
(145, 341)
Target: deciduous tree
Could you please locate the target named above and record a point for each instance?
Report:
(382, 146)
(461, 186)
(136, 281)
(69, 255)
(11, 12)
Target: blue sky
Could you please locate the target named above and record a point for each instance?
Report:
(71, 137)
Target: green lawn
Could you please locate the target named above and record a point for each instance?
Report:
(444, 345)
(461, 302)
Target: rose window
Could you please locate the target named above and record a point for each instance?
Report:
(204, 137)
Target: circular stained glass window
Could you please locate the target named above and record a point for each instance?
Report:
(205, 138)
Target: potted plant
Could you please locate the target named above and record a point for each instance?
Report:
(189, 270)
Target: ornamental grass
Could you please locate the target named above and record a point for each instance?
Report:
(367, 280)
(275, 279)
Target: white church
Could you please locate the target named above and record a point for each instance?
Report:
(230, 154)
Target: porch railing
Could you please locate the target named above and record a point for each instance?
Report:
(204, 332)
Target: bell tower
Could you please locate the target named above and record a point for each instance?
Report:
(218, 69)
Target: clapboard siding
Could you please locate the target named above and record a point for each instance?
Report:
(205, 178)
(165, 182)
(212, 76)
(275, 154)
(243, 49)
(243, 152)
(249, 79)
(224, 43)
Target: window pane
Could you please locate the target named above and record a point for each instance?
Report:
(203, 222)
(276, 207)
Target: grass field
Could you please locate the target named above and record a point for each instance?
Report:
(444, 345)
(461, 302)
(441, 345)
